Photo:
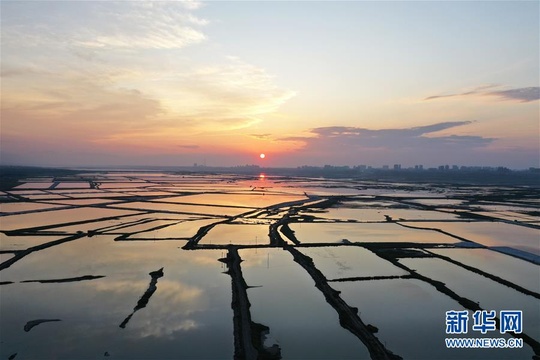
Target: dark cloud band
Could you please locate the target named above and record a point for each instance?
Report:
(525, 94)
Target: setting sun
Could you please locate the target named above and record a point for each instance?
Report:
(121, 103)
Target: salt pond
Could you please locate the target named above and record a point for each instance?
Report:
(364, 215)
(299, 318)
(489, 294)
(492, 234)
(188, 316)
(142, 266)
(517, 271)
(238, 234)
(365, 232)
(193, 209)
(254, 200)
(14, 222)
(350, 261)
(407, 310)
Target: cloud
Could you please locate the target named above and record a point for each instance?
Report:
(261, 136)
(522, 94)
(233, 94)
(90, 102)
(111, 26)
(153, 25)
(118, 75)
(337, 131)
(337, 138)
(476, 90)
(428, 145)
(121, 80)
(191, 4)
(447, 96)
(13, 71)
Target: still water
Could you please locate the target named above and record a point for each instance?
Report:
(138, 267)
(190, 306)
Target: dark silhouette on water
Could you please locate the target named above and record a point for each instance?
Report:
(29, 325)
(143, 301)
(73, 279)
(248, 335)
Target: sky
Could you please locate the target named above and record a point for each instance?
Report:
(174, 83)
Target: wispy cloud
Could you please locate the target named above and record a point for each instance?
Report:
(114, 26)
(261, 136)
(118, 75)
(526, 94)
(191, 4)
(235, 93)
(522, 94)
(13, 71)
(151, 25)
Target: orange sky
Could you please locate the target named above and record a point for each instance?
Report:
(177, 83)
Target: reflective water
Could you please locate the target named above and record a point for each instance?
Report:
(193, 209)
(82, 202)
(489, 294)
(34, 185)
(185, 229)
(346, 262)
(72, 185)
(407, 310)
(8, 243)
(25, 192)
(94, 225)
(300, 320)
(128, 185)
(509, 215)
(151, 193)
(24, 206)
(254, 200)
(102, 276)
(517, 271)
(13, 222)
(365, 232)
(345, 214)
(493, 234)
(245, 234)
(98, 194)
(438, 202)
(188, 316)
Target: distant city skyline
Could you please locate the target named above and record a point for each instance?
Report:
(173, 83)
